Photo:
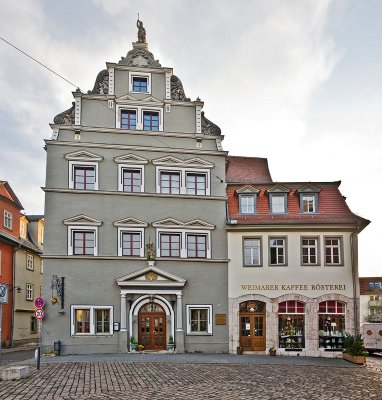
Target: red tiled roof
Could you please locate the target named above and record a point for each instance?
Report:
(332, 207)
(247, 170)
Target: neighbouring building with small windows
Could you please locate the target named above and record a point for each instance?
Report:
(135, 245)
(293, 270)
(370, 299)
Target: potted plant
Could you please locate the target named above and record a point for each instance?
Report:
(140, 347)
(355, 351)
(133, 344)
(170, 344)
(239, 350)
(272, 351)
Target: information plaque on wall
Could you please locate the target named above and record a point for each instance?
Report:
(220, 319)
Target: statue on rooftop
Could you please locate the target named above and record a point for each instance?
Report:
(141, 32)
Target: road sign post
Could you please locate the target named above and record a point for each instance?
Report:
(39, 314)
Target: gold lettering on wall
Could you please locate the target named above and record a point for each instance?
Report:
(317, 286)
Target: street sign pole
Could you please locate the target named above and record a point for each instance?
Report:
(39, 344)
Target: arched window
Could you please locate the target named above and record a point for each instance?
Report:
(292, 325)
(331, 324)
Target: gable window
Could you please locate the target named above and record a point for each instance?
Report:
(30, 262)
(140, 84)
(92, 320)
(199, 319)
(278, 203)
(29, 291)
(131, 180)
(196, 246)
(252, 252)
(308, 203)
(196, 184)
(277, 251)
(169, 182)
(170, 244)
(7, 219)
(247, 203)
(129, 119)
(333, 250)
(131, 243)
(309, 251)
(150, 120)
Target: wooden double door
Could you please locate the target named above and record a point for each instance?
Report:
(152, 327)
(252, 331)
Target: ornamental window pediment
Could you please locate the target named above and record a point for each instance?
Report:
(130, 158)
(83, 155)
(82, 219)
(131, 222)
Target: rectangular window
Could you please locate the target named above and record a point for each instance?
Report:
(92, 320)
(308, 203)
(128, 119)
(29, 291)
(150, 121)
(33, 325)
(7, 219)
(278, 203)
(309, 251)
(131, 244)
(196, 184)
(30, 262)
(170, 245)
(333, 251)
(140, 84)
(131, 180)
(84, 177)
(199, 319)
(170, 182)
(252, 255)
(196, 246)
(247, 204)
(83, 243)
(277, 251)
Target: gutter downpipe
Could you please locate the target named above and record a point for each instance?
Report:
(354, 262)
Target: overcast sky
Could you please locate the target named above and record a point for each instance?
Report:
(298, 82)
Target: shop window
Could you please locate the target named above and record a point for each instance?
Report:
(331, 325)
(292, 325)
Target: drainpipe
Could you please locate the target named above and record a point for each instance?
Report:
(13, 290)
(354, 263)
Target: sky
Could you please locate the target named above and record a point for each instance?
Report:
(298, 82)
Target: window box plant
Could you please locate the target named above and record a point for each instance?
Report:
(272, 351)
(355, 351)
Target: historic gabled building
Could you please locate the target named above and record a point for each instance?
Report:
(293, 270)
(135, 244)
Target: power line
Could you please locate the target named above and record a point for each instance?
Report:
(38, 62)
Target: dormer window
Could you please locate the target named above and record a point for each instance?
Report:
(247, 199)
(140, 84)
(309, 199)
(278, 199)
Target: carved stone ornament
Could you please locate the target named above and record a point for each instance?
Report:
(66, 117)
(177, 91)
(151, 276)
(101, 85)
(140, 57)
(208, 127)
(150, 251)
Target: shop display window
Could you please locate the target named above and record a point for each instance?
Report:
(331, 325)
(292, 325)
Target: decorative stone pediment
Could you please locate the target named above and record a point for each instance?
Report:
(101, 85)
(151, 99)
(66, 117)
(131, 222)
(309, 189)
(139, 56)
(168, 222)
(83, 155)
(82, 219)
(208, 127)
(125, 97)
(150, 276)
(199, 224)
(130, 159)
(278, 189)
(248, 189)
(175, 224)
(176, 162)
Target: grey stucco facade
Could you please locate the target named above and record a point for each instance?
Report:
(135, 217)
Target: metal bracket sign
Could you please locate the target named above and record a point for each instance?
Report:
(3, 293)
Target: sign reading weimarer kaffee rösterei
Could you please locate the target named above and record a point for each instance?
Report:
(289, 287)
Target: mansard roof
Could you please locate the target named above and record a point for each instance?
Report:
(247, 170)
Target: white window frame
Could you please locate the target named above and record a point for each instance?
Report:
(30, 262)
(183, 172)
(310, 195)
(317, 247)
(273, 196)
(247, 238)
(121, 167)
(72, 228)
(29, 291)
(244, 210)
(139, 110)
(340, 251)
(8, 220)
(92, 327)
(133, 74)
(207, 307)
(73, 164)
(183, 241)
(285, 247)
(141, 231)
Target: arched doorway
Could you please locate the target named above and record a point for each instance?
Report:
(152, 327)
(252, 325)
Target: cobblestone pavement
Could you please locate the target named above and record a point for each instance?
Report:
(111, 379)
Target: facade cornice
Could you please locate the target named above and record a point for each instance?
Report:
(136, 148)
(300, 227)
(159, 70)
(139, 194)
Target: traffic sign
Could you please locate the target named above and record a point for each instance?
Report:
(39, 313)
(39, 302)
(3, 293)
